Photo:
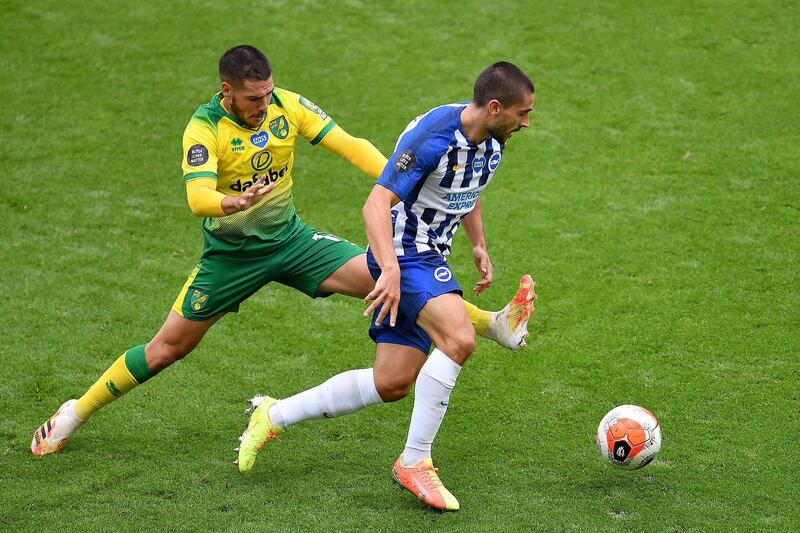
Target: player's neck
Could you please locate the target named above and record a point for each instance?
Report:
(473, 124)
(226, 105)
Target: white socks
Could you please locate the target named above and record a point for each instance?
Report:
(351, 391)
(342, 394)
(431, 396)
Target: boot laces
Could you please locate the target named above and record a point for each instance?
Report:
(431, 477)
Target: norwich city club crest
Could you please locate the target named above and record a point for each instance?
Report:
(115, 392)
(279, 127)
(199, 299)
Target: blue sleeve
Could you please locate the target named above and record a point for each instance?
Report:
(417, 155)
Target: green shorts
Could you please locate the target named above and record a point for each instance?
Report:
(228, 274)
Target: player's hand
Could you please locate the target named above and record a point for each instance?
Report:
(485, 269)
(254, 193)
(387, 294)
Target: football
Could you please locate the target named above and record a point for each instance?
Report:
(629, 437)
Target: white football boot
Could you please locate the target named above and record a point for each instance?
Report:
(51, 436)
(509, 326)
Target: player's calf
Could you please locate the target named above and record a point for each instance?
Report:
(396, 368)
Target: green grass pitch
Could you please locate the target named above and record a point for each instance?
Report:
(654, 199)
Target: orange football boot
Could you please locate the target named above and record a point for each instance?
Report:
(423, 482)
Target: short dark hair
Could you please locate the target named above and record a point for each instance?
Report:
(502, 81)
(243, 62)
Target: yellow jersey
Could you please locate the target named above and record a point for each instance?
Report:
(216, 145)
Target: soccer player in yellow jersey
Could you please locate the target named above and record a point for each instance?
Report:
(237, 166)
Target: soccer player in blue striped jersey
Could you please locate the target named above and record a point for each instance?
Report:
(430, 186)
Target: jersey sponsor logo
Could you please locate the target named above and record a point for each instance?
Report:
(261, 160)
(197, 155)
(406, 160)
(442, 274)
(494, 161)
(259, 139)
(237, 145)
(199, 299)
(458, 201)
(272, 175)
(308, 104)
(478, 163)
(279, 127)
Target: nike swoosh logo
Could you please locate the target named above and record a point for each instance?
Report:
(458, 167)
(443, 403)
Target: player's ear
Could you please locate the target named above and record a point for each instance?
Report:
(494, 107)
(226, 89)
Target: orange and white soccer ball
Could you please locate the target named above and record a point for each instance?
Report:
(629, 437)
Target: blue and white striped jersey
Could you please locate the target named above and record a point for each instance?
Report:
(438, 173)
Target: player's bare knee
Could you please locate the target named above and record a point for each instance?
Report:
(161, 354)
(392, 389)
(459, 346)
(392, 394)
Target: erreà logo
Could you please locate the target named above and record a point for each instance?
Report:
(259, 139)
(237, 145)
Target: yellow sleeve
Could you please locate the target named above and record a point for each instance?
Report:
(199, 150)
(312, 122)
(204, 198)
(359, 152)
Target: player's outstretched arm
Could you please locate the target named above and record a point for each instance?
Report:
(205, 201)
(473, 226)
(378, 223)
(359, 152)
